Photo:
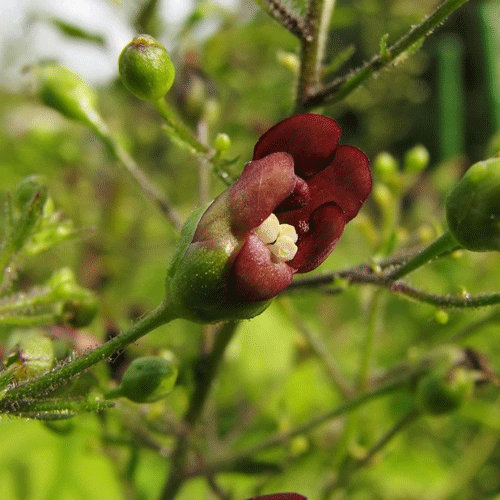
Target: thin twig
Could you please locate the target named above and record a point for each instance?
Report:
(224, 464)
(364, 275)
(319, 348)
(206, 371)
(341, 87)
(289, 20)
(345, 474)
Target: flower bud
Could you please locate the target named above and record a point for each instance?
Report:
(146, 380)
(29, 353)
(473, 207)
(146, 69)
(440, 393)
(385, 164)
(27, 189)
(67, 93)
(79, 305)
(416, 159)
(222, 143)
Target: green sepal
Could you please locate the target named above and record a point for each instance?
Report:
(197, 279)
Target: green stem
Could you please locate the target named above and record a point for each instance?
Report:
(371, 327)
(343, 86)
(181, 131)
(313, 49)
(316, 344)
(444, 243)
(147, 186)
(277, 440)
(344, 475)
(206, 372)
(163, 314)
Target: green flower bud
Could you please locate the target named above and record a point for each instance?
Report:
(67, 93)
(146, 69)
(384, 164)
(27, 189)
(146, 380)
(416, 159)
(440, 393)
(473, 207)
(222, 143)
(79, 305)
(29, 353)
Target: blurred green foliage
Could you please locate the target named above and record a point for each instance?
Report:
(271, 379)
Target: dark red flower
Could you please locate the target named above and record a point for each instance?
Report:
(284, 215)
(331, 184)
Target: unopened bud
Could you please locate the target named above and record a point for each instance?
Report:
(147, 379)
(29, 353)
(222, 143)
(384, 164)
(146, 69)
(440, 393)
(416, 159)
(473, 207)
(67, 93)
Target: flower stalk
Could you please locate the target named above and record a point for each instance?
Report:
(163, 314)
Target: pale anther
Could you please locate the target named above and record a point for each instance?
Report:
(284, 248)
(280, 238)
(268, 231)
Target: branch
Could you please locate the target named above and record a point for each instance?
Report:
(343, 86)
(289, 20)
(206, 372)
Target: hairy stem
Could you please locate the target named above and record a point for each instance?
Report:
(343, 86)
(151, 190)
(206, 372)
(445, 243)
(161, 315)
(313, 50)
(289, 20)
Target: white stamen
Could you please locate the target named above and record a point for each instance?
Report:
(268, 231)
(284, 248)
(288, 230)
(280, 238)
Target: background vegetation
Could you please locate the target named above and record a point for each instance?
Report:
(315, 348)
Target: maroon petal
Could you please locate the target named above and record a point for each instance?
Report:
(347, 181)
(325, 227)
(263, 185)
(256, 274)
(311, 139)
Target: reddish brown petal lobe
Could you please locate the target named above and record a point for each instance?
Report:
(256, 274)
(325, 227)
(346, 181)
(311, 139)
(262, 186)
